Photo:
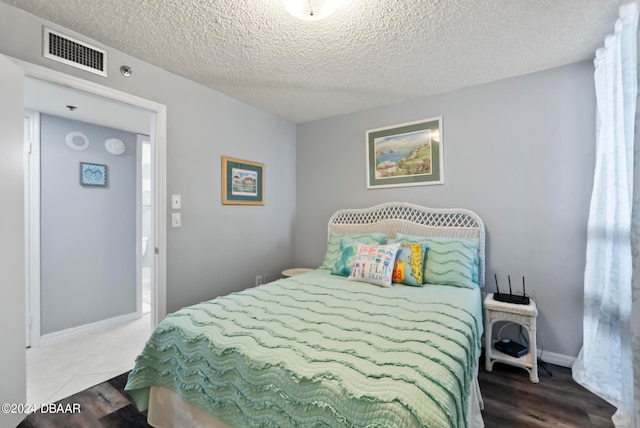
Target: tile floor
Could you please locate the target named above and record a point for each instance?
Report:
(60, 369)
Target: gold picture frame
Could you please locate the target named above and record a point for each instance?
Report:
(242, 182)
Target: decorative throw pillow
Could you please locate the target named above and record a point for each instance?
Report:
(449, 261)
(347, 254)
(333, 246)
(409, 264)
(374, 264)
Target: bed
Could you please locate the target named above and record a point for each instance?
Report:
(323, 349)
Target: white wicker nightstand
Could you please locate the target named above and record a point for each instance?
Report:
(525, 315)
(295, 271)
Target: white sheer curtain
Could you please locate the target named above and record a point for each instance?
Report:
(606, 364)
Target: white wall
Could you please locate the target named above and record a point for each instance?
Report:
(88, 234)
(519, 152)
(12, 270)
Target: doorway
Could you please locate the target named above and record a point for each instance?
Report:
(63, 251)
(13, 72)
(146, 208)
(61, 269)
(158, 135)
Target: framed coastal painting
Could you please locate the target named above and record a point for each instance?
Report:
(409, 154)
(242, 182)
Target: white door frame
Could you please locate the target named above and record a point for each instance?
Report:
(141, 141)
(158, 138)
(32, 223)
(138, 226)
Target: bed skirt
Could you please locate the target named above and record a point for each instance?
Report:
(168, 410)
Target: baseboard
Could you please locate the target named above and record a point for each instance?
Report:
(557, 359)
(69, 333)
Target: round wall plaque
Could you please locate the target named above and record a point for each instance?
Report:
(77, 141)
(115, 146)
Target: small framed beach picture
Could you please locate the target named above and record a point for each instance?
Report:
(93, 174)
(242, 182)
(409, 154)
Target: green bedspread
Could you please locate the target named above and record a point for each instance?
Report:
(318, 350)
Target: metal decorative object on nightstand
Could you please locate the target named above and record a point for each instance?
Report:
(525, 315)
(295, 271)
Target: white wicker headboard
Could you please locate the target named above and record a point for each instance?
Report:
(410, 219)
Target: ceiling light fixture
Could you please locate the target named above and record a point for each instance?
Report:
(311, 10)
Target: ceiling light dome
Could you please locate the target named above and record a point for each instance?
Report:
(311, 10)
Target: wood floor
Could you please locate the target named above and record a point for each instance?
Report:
(105, 405)
(510, 400)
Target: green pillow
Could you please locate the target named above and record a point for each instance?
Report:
(449, 261)
(333, 246)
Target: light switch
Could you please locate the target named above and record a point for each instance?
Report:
(176, 220)
(176, 202)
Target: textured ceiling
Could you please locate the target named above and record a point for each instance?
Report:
(369, 53)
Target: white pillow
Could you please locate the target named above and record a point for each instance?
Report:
(374, 264)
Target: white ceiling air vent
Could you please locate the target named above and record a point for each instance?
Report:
(73, 52)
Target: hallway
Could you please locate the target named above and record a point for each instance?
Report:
(58, 370)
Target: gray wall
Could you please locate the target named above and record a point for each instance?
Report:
(219, 249)
(88, 234)
(519, 152)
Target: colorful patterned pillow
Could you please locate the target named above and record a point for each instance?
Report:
(409, 264)
(449, 261)
(374, 264)
(333, 246)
